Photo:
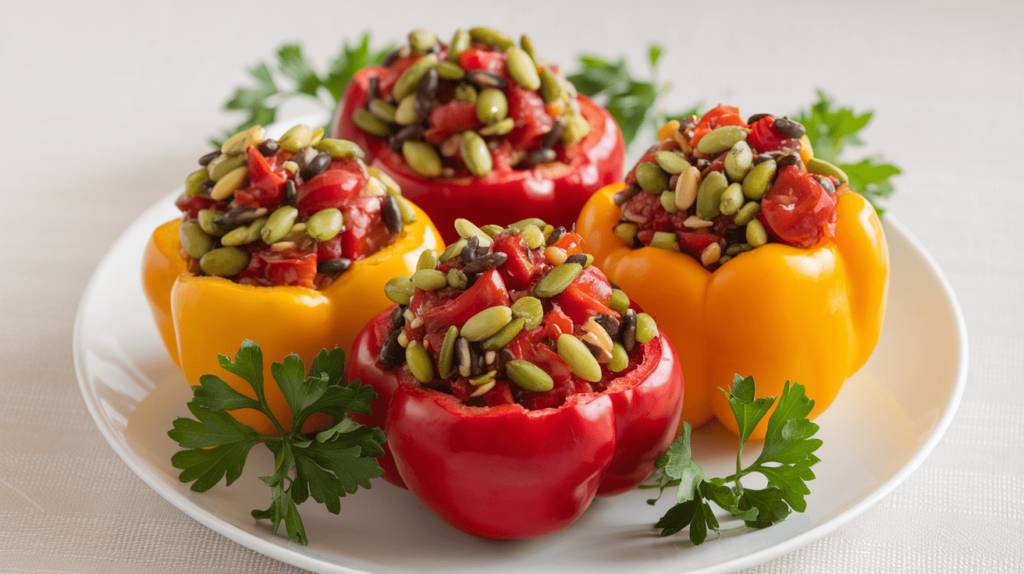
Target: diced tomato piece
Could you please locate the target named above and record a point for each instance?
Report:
(191, 206)
(764, 137)
(335, 187)
(718, 117)
(364, 231)
(488, 290)
(570, 243)
(501, 394)
(330, 249)
(694, 242)
(518, 270)
(273, 268)
(587, 297)
(486, 60)
(527, 108)
(461, 388)
(797, 209)
(393, 72)
(450, 118)
(555, 323)
(266, 181)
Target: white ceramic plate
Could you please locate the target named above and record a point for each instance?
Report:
(886, 420)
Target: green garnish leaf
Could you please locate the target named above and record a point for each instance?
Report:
(628, 100)
(786, 458)
(327, 466)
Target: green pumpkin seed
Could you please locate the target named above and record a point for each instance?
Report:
(619, 302)
(406, 83)
(475, 154)
(491, 37)
(451, 251)
(388, 181)
(504, 336)
(646, 328)
(732, 199)
(665, 240)
(235, 237)
(550, 88)
(318, 134)
(739, 161)
(590, 261)
(576, 128)
(528, 376)
(370, 123)
(557, 280)
(374, 187)
(651, 177)
(406, 114)
(668, 201)
(466, 229)
(756, 234)
(460, 43)
(419, 362)
(523, 69)
(194, 240)
(498, 128)
(737, 248)
(230, 183)
(449, 71)
(339, 149)
(421, 41)
(671, 161)
(422, 158)
(195, 181)
(400, 289)
(529, 309)
(254, 229)
(224, 164)
(822, 167)
(445, 368)
(465, 93)
(709, 195)
(747, 213)
(492, 230)
(576, 354)
(527, 45)
(210, 220)
(405, 209)
(532, 236)
(626, 232)
(241, 141)
(491, 106)
(430, 279)
(721, 139)
(325, 224)
(297, 138)
(620, 358)
(486, 323)
(757, 181)
(523, 224)
(483, 379)
(279, 224)
(457, 279)
(224, 262)
(427, 260)
(383, 110)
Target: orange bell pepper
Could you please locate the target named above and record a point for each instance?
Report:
(201, 316)
(778, 312)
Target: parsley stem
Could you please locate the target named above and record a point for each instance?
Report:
(739, 470)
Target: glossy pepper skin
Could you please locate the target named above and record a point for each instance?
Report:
(200, 316)
(509, 473)
(778, 312)
(553, 192)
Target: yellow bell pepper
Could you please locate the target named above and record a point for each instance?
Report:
(201, 316)
(778, 312)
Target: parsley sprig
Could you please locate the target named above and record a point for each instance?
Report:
(786, 459)
(326, 466)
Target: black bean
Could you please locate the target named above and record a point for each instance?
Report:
(408, 133)
(316, 166)
(268, 148)
(426, 91)
(612, 283)
(826, 183)
(485, 79)
(331, 266)
(756, 118)
(478, 366)
(397, 317)
(556, 234)
(578, 258)
(551, 138)
(391, 57)
(469, 251)
(208, 186)
(373, 89)
(391, 353)
(243, 216)
(787, 160)
(537, 157)
(485, 263)
(628, 331)
(761, 158)
(289, 192)
(625, 195)
(206, 159)
(789, 128)
(735, 234)
(391, 215)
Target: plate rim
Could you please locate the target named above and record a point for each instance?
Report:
(285, 554)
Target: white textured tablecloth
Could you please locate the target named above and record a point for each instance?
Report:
(105, 106)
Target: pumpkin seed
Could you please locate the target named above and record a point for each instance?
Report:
(557, 280)
(427, 260)
(236, 236)
(709, 195)
(279, 224)
(194, 240)
(421, 41)
(576, 354)
(224, 262)
(492, 230)
(550, 88)
(665, 240)
(230, 183)
(419, 362)
(651, 177)
(504, 336)
(457, 279)
(370, 123)
(491, 37)
(406, 83)
(747, 213)
(732, 199)
(452, 250)
(498, 128)
(527, 45)
(474, 152)
(619, 302)
(737, 248)
(400, 289)
(739, 161)
(528, 376)
(822, 167)
(325, 224)
(466, 229)
(686, 188)
(430, 279)
(668, 201)
(389, 183)
(530, 309)
(405, 113)
(532, 236)
(756, 234)
(756, 183)
(383, 110)
(224, 164)
(491, 106)
(626, 232)
(254, 229)
(523, 69)
(210, 222)
(486, 323)
(450, 71)
(646, 328)
(620, 359)
(196, 180)
(241, 141)
(339, 149)
(318, 134)
(445, 366)
(523, 224)
(465, 93)
(721, 139)
(671, 161)
(460, 43)
(422, 158)
(694, 222)
(296, 138)
(405, 210)
(483, 380)
(576, 128)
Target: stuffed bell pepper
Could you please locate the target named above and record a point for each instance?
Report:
(480, 128)
(286, 242)
(754, 256)
(516, 383)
